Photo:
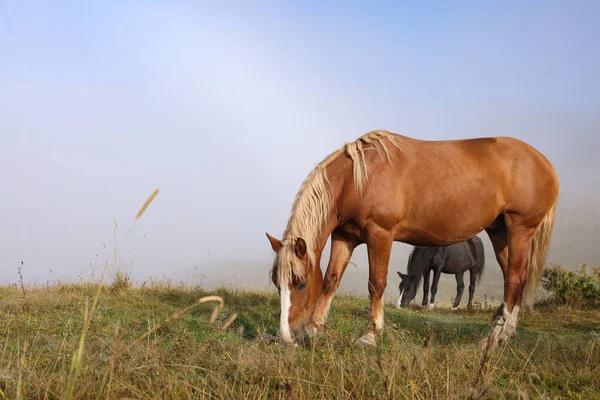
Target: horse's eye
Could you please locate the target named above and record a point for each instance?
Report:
(301, 285)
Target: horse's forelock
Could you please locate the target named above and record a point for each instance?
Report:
(288, 265)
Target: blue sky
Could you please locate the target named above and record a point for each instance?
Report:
(226, 106)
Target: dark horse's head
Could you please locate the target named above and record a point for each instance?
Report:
(418, 262)
(408, 289)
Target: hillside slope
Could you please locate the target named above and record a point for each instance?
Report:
(422, 354)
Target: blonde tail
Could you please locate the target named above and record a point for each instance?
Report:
(537, 255)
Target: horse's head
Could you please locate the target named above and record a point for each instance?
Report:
(408, 289)
(299, 284)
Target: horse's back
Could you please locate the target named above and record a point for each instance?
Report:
(503, 147)
(502, 171)
(443, 192)
(458, 257)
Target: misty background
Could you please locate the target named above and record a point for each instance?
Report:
(227, 106)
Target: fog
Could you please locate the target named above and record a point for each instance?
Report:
(226, 107)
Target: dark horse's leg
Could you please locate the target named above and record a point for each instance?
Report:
(426, 275)
(460, 287)
(473, 276)
(434, 285)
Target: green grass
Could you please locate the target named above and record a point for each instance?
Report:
(422, 354)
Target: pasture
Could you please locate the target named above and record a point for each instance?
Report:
(302, 149)
(127, 351)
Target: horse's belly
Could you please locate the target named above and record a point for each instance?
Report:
(440, 228)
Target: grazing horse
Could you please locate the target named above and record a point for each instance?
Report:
(385, 187)
(454, 259)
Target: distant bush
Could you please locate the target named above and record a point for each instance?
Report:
(580, 288)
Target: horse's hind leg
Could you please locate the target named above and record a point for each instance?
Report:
(473, 279)
(519, 238)
(498, 236)
(460, 287)
(379, 244)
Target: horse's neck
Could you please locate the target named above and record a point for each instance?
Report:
(326, 230)
(420, 265)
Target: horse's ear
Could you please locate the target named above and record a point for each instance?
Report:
(402, 276)
(300, 248)
(275, 243)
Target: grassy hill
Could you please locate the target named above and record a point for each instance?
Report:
(127, 353)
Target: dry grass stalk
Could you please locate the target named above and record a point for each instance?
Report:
(78, 356)
(108, 375)
(229, 321)
(141, 212)
(146, 204)
(20, 374)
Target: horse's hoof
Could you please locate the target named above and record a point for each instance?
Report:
(288, 342)
(495, 338)
(368, 339)
(483, 343)
(431, 306)
(454, 308)
(487, 345)
(311, 330)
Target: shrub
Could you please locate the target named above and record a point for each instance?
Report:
(580, 288)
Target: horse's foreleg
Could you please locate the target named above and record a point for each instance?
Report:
(426, 275)
(379, 248)
(341, 252)
(460, 287)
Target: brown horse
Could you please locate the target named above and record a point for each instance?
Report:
(385, 187)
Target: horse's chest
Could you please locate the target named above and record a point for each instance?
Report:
(350, 229)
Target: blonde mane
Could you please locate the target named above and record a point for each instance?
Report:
(313, 204)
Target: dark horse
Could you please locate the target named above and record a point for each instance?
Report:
(454, 259)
